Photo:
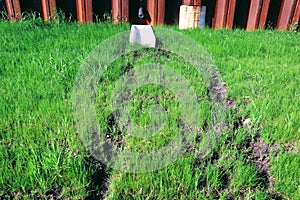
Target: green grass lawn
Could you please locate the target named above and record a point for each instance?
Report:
(42, 156)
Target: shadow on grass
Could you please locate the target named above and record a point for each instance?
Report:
(99, 179)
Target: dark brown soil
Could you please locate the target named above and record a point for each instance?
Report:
(261, 155)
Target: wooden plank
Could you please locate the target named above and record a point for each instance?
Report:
(220, 14)
(17, 9)
(116, 11)
(285, 15)
(52, 9)
(264, 14)
(230, 14)
(125, 10)
(152, 9)
(161, 12)
(10, 10)
(88, 10)
(79, 11)
(254, 14)
(296, 16)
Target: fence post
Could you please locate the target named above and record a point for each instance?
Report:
(220, 14)
(48, 9)
(88, 10)
(264, 14)
(45, 10)
(191, 2)
(296, 16)
(116, 11)
(161, 12)
(285, 15)
(10, 10)
(80, 11)
(17, 9)
(230, 14)
(152, 9)
(253, 16)
(197, 2)
(52, 9)
(125, 10)
(120, 10)
(187, 2)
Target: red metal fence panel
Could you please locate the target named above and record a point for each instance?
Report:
(220, 14)
(254, 14)
(17, 9)
(156, 9)
(52, 9)
(191, 2)
(230, 14)
(13, 9)
(116, 10)
(161, 12)
(224, 14)
(120, 10)
(264, 14)
(10, 10)
(84, 10)
(286, 13)
(125, 10)
(88, 10)
(296, 16)
(45, 10)
(152, 9)
(197, 2)
(187, 2)
(48, 9)
(80, 11)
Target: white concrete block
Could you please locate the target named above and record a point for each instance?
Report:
(143, 34)
(189, 16)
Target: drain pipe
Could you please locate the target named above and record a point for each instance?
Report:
(141, 10)
(141, 13)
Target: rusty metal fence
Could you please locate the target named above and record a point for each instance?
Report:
(224, 13)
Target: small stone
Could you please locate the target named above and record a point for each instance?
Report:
(246, 122)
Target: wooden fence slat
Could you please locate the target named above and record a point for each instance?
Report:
(264, 14)
(285, 15)
(116, 10)
(52, 9)
(230, 14)
(45, 10)
(152, 9)
(161, 12)
(88, 10)
(10, 10)
(296, 16)
(254, 13)
(17, 9)
(125, 10)
(220, 14)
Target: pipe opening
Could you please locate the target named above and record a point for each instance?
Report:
(141, 13)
